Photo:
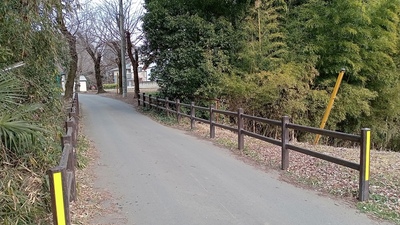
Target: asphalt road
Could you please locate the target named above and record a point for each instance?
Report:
(162, 176)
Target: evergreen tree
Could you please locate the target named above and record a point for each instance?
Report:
(191, 43)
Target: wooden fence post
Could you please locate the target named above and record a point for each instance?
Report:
(66, 139)
(138, 100)
(212, 126)
(192, 116)
(72, 167)
(71, 124)
(167, 105)
(77, 109)
(74, 114)
(150, 102)
(240, 129)
(364, 164)
(144, 99)
(285, 140)
(178, 110)
(157, 103)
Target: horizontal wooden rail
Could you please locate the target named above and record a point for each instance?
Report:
(261, 137)
(201, 108)
(363, 139)
(335, 134)
(201, 120)
(324, 157)
(262, 120)
(228, 113)
(183, 104)
(225, 127)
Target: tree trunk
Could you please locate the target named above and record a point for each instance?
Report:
(136, 74)
(135, 63)
(73, 66)
(120, 77)
(70, 80)
(97, 74)
(96, 57)
(119, 62)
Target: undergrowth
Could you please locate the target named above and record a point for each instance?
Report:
(24, 185)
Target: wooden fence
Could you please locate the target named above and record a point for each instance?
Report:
(363, 139)
(62, 177)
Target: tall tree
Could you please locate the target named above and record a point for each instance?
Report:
(90, 34)
(190, 43)
(134, 57)
(67, 22)
(109, 11)
(133, 37)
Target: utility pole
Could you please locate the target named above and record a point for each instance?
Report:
(123, 47)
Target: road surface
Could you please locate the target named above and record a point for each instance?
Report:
(163, 176)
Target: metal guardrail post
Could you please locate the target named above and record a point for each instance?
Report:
(192, 116)
(212, 126)
(285, 140)
(365, 146)
(240, 129)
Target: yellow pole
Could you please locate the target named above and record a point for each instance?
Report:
(330, 104)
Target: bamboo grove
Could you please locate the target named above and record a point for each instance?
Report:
(282, 57)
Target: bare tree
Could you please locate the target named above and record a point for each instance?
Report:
(135, 62)
(67, 22)
(95, 52)
(90, 37)
(111, 36)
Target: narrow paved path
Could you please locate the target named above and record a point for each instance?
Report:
(161, 175)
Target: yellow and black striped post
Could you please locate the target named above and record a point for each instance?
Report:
(60, 204)
(364, 164)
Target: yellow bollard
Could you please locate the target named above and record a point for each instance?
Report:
(330, 104)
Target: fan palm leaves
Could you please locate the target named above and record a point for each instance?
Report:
(16, 130)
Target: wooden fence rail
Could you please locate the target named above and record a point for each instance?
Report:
(62, 177)
(363, 139)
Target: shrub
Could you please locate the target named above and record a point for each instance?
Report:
(110, 86)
